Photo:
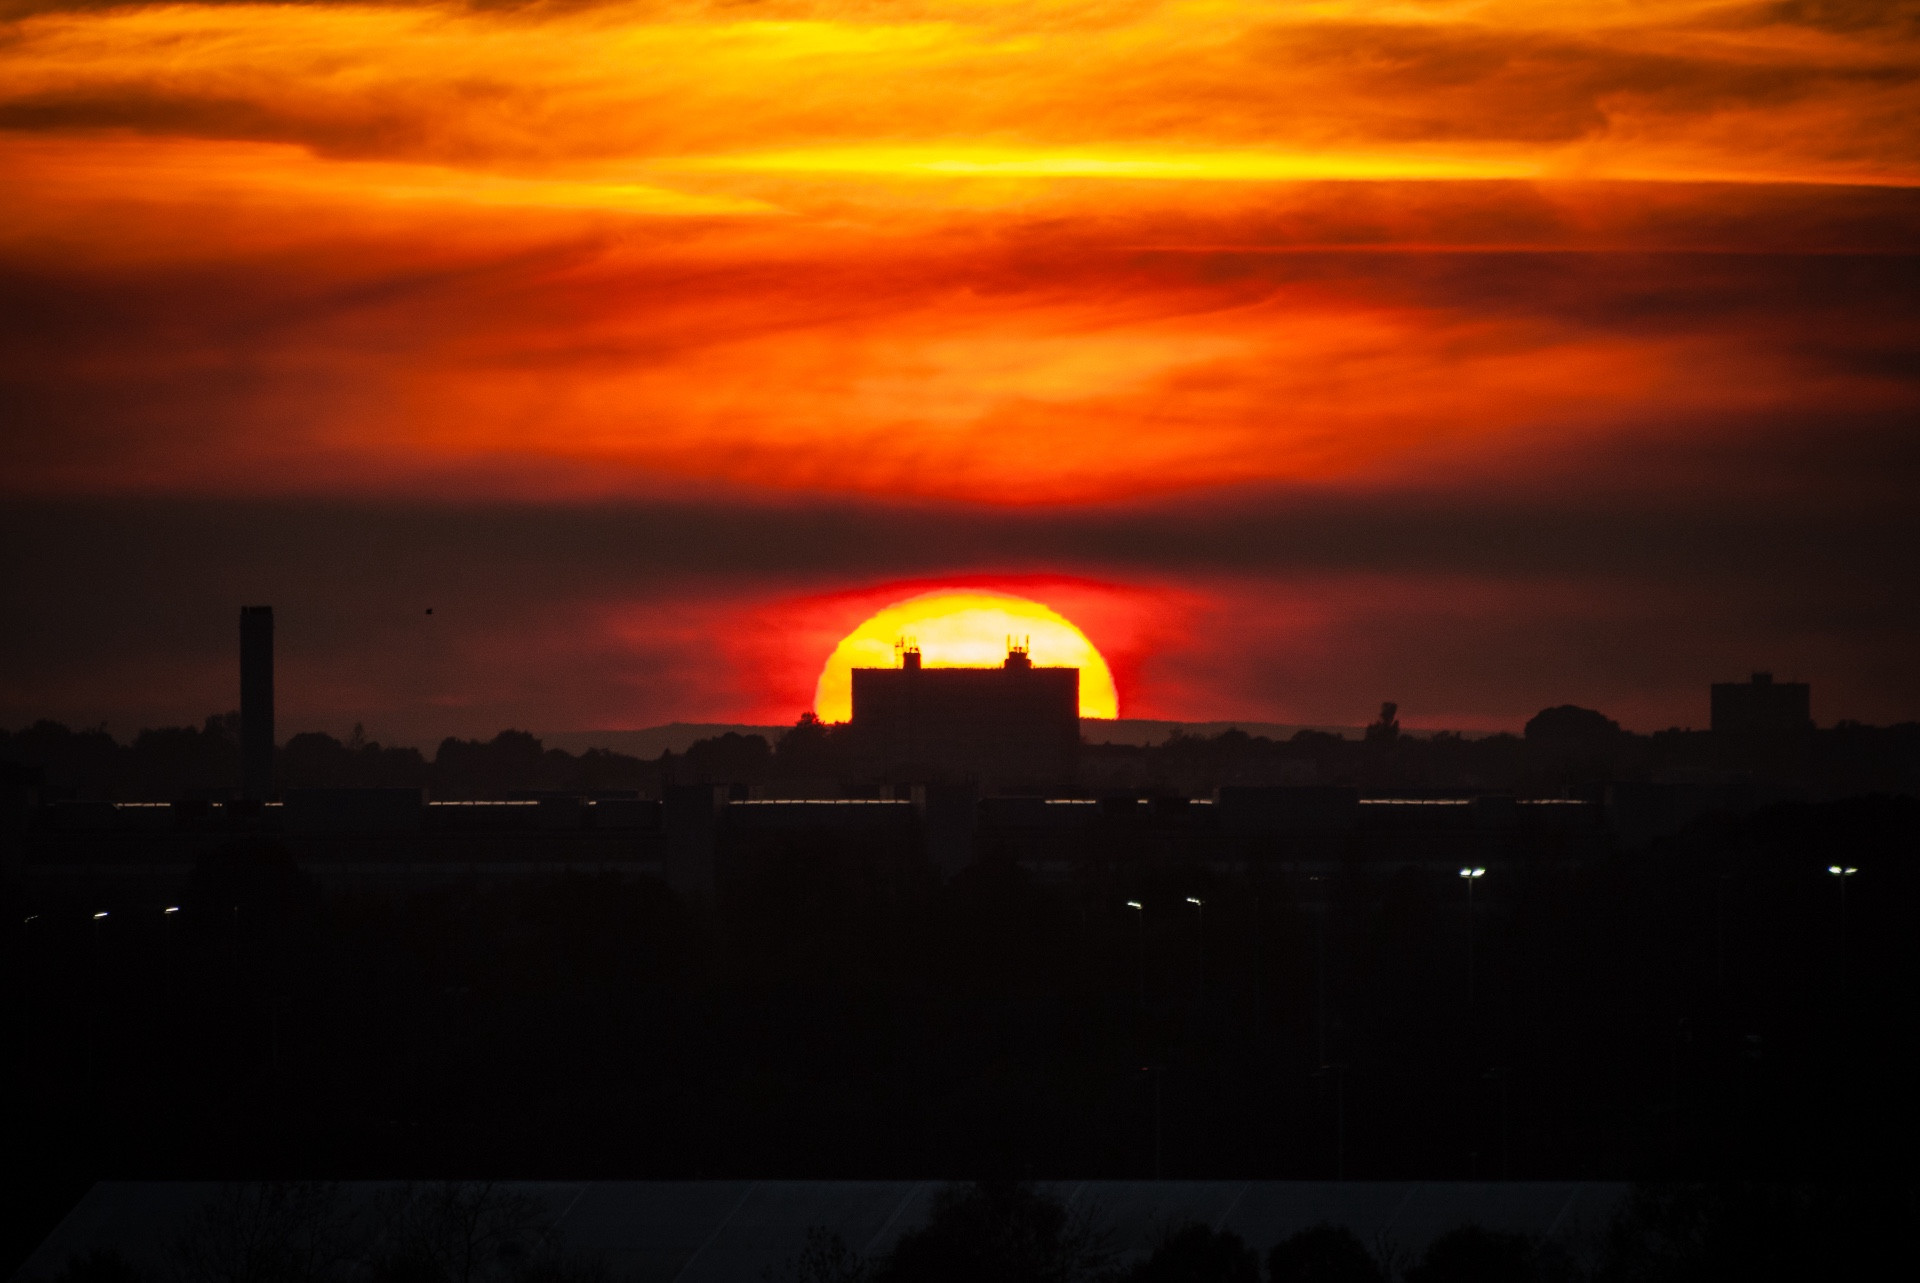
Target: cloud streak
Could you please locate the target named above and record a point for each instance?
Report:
(1275, 339)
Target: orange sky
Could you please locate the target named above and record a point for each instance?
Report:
(1034, 257)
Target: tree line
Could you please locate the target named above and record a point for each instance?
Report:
(1012, 1232)
(1563, 749)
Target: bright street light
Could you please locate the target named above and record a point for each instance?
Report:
(1200, 907)
(1472, 875)
(1843, 872)
(171, 909)
(100, 915)
(1141, 952)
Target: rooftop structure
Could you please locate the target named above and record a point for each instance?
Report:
(1761, 707)
(1013, 726)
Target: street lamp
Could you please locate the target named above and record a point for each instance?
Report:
(93, 1006)
(1471, 876)
(1842, 872)
(166, 930)
(1141, 909)
(1200, 910)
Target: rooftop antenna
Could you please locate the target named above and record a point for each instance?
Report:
(1017, 652)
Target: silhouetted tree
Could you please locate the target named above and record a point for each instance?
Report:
(731, 758)
(83, 763)
(1387, 729)
(811, 751)
(269, 1232)
(102, 1265)
(1474, 1254)
(315, 759)
(600, 770)
(1323, 1254)
(1195, 1253)
(459, 1232)
(824, 1258)
(1568, 726)
(1755, 1233)
(512, 760)
(998, 1230)
(173, 761)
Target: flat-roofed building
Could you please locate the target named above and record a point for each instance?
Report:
(1015, 726)
(1761, 707)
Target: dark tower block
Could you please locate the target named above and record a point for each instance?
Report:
(256, 702)
(1016, 726)
(1761, 707)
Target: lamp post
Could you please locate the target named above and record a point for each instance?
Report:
(1200, 930)
(1471, 876)
(1841, 873)
(1141, 951)
(166, 929)
(93, 1008)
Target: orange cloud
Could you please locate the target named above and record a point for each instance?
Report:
(1008, 254)
(314, 338)
(1676, 89)
(1303, 355)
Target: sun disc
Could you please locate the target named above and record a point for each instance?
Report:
(965, 629)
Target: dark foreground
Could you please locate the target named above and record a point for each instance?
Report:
(1706, 1007)
(1007, 1232)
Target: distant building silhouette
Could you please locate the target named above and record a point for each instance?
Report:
(1015, 725)
(256, 702)
(1761, 707)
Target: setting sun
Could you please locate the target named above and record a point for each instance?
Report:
(965, 629)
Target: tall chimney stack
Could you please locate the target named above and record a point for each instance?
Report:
(256, 702)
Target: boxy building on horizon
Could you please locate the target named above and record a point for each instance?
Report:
(1761, 707)
(1012, 727)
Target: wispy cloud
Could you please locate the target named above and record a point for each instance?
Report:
(1087, 272)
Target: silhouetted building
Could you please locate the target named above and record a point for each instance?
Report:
(1761, 707)
(1012, 726)
(256, 702)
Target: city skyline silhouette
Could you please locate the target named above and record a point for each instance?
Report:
(905, 641)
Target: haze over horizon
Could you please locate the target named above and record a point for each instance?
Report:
(1477, 356)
